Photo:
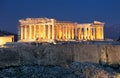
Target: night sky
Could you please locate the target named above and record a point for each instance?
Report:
(81, 11)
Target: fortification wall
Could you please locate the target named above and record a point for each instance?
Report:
(59, 54)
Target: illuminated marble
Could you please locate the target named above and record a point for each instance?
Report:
(50, 30)
(5, 39)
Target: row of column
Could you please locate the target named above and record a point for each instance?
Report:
(64, 32)
(60, 32)
(37, 32)
(99, 33)
(83, 33)
(92, 33)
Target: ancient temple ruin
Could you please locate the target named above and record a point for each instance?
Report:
(50, 30)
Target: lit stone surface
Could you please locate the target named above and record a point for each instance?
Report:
(5, 39)
(60, 54)
(49, 30)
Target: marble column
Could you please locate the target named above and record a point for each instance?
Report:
(25, 31)
(39, 31)
(21, 32)
(75, 32)
(85, 33)
(91, 35)
(44, 32)
(72, 33)
(48, 31)
(60, 32)
(53, 35)
(94, 33)
(34, 32)
(66, 27)
(88, 32)
(68, 32)
(80, 33)
(102, 35)
(30, 32)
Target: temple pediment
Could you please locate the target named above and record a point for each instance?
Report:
(97, 22)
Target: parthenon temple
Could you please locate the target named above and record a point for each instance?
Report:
(50, 30)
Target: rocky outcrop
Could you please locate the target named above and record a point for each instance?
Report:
(60, 54)
(9, 57)
(74, 70)
(109, 54)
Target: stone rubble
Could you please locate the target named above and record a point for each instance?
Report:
(74, 70)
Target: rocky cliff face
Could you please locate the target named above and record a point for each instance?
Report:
(60, 54)
(60, 61)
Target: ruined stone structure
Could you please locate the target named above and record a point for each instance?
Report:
(49, 30)
(5, 39)
(90, 31)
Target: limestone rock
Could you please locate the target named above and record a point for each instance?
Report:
(9, 57)
(60, 54)
(74, 70)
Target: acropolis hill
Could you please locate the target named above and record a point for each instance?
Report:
(78, 43)
(79, 47)
(50, 30)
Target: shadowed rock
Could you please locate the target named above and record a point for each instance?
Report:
(60, 54)
(74, 70)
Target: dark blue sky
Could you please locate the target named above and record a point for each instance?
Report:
(80, 11)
